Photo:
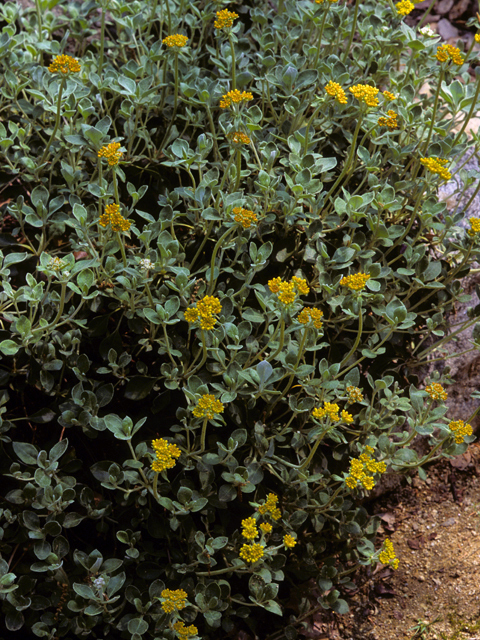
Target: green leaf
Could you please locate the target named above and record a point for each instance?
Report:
(26, 452)
(273, 607)
(137, 625)
(138, 387)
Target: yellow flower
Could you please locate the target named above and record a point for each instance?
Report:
(301, 285)
(176, 40)
(314, 315)
(251, 552)
(225, 19)
(207, 407)
(436, 391)
(356, 281)
(245, 217)
(347, 417)
(404, 7)
(165, 455)
(335, 90)
(387, 555)
(235, 97)
(321, 1)
(111, 153)
(365, 93)
(204, 311)
(289, 541)
(184, 632)
(477, 37)
(270, 507)
(449, 52)
(390, 122)
(114, 218)
(354, 394)
(286, 293)
(274, 285)
(437, 166)
(249, 526)
(460, 429)
(239, 138)
(389, 96)
(475, 228)
(266, 527)
(329, 409)
(358, 468)
(64, 64)
(173, 600)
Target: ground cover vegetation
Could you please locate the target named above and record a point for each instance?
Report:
(222, 270)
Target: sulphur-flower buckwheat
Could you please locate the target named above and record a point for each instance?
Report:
(184, 632)
(225, 19)
(404, 7)
(436, 391)
(289, 541)
(388, 556)
(251, 552)
(266, 527)
(460, 429)
(114, 218)
(390, 122)
(175, 40)
(437, 166)
(204, 311)
(173, 600)
(165, 455)
(307, 315)
(245, 217)
(355, 281)
(249, 528)
(474, 228)
(447, 52)
(64, 65)
(208, 407)
(335, 90)
(365, 93)
(354, 394)
(112, 153)
(235, 97)
(270, 507)
(238, 137)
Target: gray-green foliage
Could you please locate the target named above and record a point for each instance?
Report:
(98, 358)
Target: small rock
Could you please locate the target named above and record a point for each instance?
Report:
(446, 29)
(421, 577)
(449, 522)
(443, 6)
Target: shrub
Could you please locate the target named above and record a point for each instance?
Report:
(224, 263)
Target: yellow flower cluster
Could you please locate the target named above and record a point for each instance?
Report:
(56, 264)
(356, 281)
(390, 122)
(460, 429)
(251, 552)
(389, 96)
(204, 310)
(225, 19)
(475, 222)
(437, 165)
(266, 527)
(239, 138)
(64, 65)
(249, 526)
(207, 407)
(245, 217)
(311, 315)
(184, 632)
(387, 555)
(112, 153)
(335, 90)
(331, 409)
(404, 7)
(477, 37)
(234, 97)
(270, 507)
(114, 218)
(365, 93)
(289, 541)
(173, 600)
(287, 291)
(362, 470)
(166, 455)
(449, 52)
(176, 40)
(354, 394)
(436, 391)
